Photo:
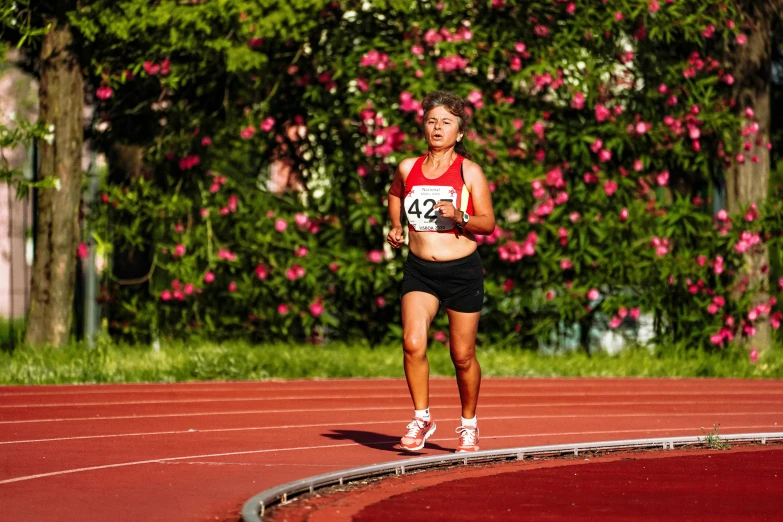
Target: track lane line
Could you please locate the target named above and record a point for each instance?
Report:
(349, 397)
(359, 423)
(249, 386)
(314, 410)
(324, 446)
(303, 410)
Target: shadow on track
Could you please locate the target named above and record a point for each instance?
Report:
(381, 441)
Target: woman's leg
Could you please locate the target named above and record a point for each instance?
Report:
(462, 338)
(418, 311)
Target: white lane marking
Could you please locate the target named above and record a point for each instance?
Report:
(605, 432)
(339, 424)
(322, 446)
(401, 395)
(276, 386)
(313, 410)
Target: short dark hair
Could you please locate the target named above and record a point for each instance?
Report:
(456, 106)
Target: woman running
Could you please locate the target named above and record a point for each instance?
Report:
(446, 200)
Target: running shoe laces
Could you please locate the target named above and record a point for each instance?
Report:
(414, 428)
(467, 435)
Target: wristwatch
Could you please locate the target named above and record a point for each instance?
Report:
(465, 218)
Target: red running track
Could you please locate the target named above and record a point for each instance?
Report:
(197, 451)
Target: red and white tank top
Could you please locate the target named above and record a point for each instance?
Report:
(422, 193)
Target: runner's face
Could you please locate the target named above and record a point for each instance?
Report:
(441, 129)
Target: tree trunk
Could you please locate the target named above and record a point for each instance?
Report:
(748, 182)
(54, 268)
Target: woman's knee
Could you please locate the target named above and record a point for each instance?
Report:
(464, 361)
(414, 344)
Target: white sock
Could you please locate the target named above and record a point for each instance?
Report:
(422, 414)
(470, 423)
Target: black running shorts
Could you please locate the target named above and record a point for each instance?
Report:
(458, 284)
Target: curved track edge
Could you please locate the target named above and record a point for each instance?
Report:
(253, 510)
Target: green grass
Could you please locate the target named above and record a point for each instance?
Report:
(237, 361)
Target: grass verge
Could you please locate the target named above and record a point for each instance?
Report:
(178, 362)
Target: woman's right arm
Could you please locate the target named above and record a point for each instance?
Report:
(395, 236)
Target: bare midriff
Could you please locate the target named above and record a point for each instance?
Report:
(441, 246)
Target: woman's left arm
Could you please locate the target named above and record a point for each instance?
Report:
(482, 222)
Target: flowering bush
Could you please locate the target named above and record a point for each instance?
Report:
(602, 126)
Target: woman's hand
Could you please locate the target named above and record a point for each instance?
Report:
(447, 210)
(394, 238)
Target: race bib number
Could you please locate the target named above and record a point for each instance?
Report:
(419, 209)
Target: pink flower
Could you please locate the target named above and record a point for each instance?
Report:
(566, 264)
(618, 16)
(165, 295)
(206, 141)
(226, 255)
(742, 39)
(605, 155)
(179, 250)
(281, 225)
(295, 272)
(654, 6)
(713, 308)
(301, 251)
(103, 92)
(261, 272)
(597, 145)
(728, 79)
(255, 42)
(232, 287)
(601, 113)
(418, 50)
(151, 68)
(593, 294)
(189, 288)
(754, 356)
(316, 308)
(476, 98)
(538, 128)
(635, 313)
(615, 322)
(81, 251)
(188, 162)
(268, 124)
(571, 8)
(624, 214)
(642, 127)
(574, 216)
(663, 178)
(282, 309)
(301, 219)
(248, 132)
(380, 301)
(334, 267)
(541, 30)
(550, 295)
(209, 277)
(439, 336)
(579, 101)
(722, 215)
(638, 165)
(610, 187)
(375, 256)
